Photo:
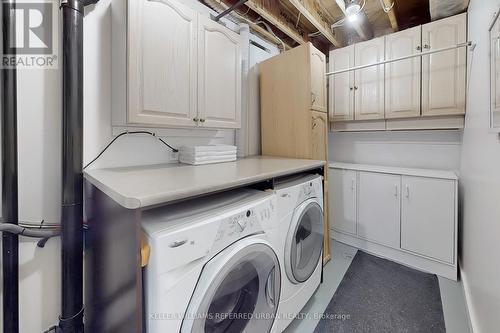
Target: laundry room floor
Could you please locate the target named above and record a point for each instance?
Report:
(452, 296)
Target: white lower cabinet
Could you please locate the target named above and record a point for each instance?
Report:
(407, 215)
(428, 217)
(343, 200)
(379, 207)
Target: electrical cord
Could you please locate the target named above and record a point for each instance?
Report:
(128, 133)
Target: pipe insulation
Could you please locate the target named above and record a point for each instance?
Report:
(28, 232)
(10, 242)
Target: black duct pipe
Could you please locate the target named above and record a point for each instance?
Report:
(71, 319)
(10, 244)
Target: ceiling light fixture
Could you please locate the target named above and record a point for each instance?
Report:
(352, 10)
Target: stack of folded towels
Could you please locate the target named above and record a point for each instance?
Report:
(198, 155)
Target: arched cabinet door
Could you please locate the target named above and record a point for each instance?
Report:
(219, 75)
(162, 63)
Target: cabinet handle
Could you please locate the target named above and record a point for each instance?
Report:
(202, 120)
(196, 120)
(407, 189)
(355, 87)
(426, 46)
(419, 48)
(351, 88)
(396, 190)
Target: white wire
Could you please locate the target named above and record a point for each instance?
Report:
(272, 32)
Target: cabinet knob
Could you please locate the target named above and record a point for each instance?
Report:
(419, 48)
(202, 120)
(426, 46)
(351, 88)
(355, 87)
(196, 120)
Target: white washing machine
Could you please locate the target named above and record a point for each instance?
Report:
(299, 243)
(212, 267)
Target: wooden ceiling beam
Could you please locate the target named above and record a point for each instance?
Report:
(363, 29)
(276, 21)
(391, 13)
(306, 8)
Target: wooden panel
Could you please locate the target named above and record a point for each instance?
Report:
(162, 65)
(341, 87)
(379, 208)
(358, 126)
(342, 192)
(285, 103)
(318, 80)
(219, 75)
(428, 217)
(369, 82)
(422, 123)
(402, 78)
(444, 73)
(319, 136)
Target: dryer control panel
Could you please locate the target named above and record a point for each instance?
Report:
(250, 220)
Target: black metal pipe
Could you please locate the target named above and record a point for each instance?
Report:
(229, 10)
(71, 319)
(10, 242)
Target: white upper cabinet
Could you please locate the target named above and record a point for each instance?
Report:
(369, 82)
(402, 78)
(183, 69)
(341, 86)
(162, 63)
(444, 73)
(219, 75)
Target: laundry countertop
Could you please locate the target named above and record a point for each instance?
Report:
(138, 187)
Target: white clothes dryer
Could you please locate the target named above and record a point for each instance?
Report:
(212, 267)
(299, 243)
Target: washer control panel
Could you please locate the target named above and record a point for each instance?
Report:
(247, 221)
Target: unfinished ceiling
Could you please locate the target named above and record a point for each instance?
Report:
(290, 23)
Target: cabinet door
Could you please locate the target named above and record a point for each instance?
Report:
(379, 208)
(369, 82)
(161, 63)
(319, 137)
(341, 86)
(428, 217)
(495, 74)
(444, 73)
(343, 200)
(318, 80)
(402, 78)
(219, 75)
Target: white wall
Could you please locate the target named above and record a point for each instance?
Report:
(480, 184)
(39, 118)
(420, 149)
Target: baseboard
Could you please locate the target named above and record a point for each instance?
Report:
(468, 301)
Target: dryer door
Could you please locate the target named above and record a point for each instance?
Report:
(304, 243)
(238, 291)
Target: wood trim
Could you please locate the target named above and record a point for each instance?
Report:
(392, 14)
(253, 5)
(312, 16)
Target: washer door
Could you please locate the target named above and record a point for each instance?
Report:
(238, 291)
(304, 243)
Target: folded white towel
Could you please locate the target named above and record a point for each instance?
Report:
(207, 160)
(208, 148)
(207, 154)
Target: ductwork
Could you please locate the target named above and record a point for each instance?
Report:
(445, 8)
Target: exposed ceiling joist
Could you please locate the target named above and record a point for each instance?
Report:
(363, 29)
(220, 6)
(391, 13)
(305, 7)
(276, 21)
